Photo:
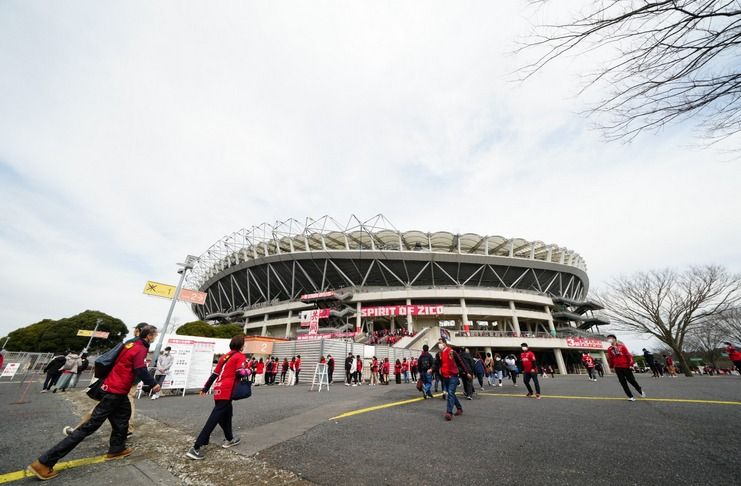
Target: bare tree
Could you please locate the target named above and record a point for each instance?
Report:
(707, 338)
(665, 60)
(668, 304)
(731, 324)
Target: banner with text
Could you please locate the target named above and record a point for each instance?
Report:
(402, 310)
(192, 363)
(581, 342)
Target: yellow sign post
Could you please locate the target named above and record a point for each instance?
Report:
(160, 289)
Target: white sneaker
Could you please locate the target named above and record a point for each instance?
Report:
(154, 397)
(500, 384)
(631, 399)
(643, 394)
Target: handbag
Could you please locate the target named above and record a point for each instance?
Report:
(94, 390)
(420, 385)
(242, 388)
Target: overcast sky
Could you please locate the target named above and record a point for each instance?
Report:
(133, 134)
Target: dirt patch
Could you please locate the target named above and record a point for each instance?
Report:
(166, 447)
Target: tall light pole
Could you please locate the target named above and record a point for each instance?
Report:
(190, 262)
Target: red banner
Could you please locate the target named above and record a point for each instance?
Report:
(402, 310)
(581, 342)
(311, 318)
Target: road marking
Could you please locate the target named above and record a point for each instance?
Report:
(380, 407)
(519, 395)
(85, 461)
(576, 397)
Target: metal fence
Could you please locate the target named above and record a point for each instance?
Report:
(29, 363)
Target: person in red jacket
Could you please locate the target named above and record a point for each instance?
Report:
(621, 360)
(223, 378)
(450, 365)
(734, 355)
(397, 371)
(283, 371)
(386, 368)
(588, 362)
(297, 368)
(529, 370)
(374, 372)
(114, 407)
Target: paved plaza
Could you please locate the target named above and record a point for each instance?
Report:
(579, 433)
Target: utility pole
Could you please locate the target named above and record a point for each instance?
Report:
(6, 342)
(190, 262)
(90, 341)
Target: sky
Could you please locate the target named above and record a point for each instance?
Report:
(133, 134)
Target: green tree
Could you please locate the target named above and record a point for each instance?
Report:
(51, 335)
(204, 329)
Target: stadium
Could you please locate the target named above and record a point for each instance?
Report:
(368, 282)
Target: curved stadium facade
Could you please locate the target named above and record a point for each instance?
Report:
(488, 292)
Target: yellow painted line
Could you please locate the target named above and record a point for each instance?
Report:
(575, 397)
(379, 407)
(60, 466)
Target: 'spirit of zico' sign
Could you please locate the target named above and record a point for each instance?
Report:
(402, 310)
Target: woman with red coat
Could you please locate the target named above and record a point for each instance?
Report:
(283, 371)
(223, 379)
(386, 368)
(621, 360)
(374, 372)
(529, 370)
(260, 379)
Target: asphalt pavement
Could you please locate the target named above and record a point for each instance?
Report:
(591, 435)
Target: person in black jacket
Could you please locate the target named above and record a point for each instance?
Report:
(467, 378)
(436, 373)
(425, 365)
(53, 370)
(330, 367)
(348, 369)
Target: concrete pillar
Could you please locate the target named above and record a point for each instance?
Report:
(288, 324)
(410, 323)
(550, 321)
(464, 313)
(264, 326)
(605, 366)
(358, 320)
(393, 323)
(559, 361)
(515, 321)
(246, 321)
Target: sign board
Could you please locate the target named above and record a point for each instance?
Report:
(582, 342)
(191, 365)
(192, 296)
(11, 369)
(89, 332)
(317, 296)
(160, 289)
(258, 347)
(168, 292)
(402, 310)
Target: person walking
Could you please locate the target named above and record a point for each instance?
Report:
(648, 358)
(588, 362)
(438, 379)
(260, 369)
(425, 365)
(164, 363)
(113, 407)
(511, 363)
(69, 369)
(529, 370)
(397, 371)
(479, 370)
(223, 380)
(292, 371)
(386, 370)
(598, 367)
(734, 355)
(374, 372)
(84, 363)
(415, 369)
(669, 363)
(498, 368)
(450, 364)
(467, 378)
(348, 369)
(330, 368)
(619, 358)
(53, 371)
(359, 370)
(488, 369)
(405, 370)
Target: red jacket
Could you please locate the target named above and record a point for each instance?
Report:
(298, 364)
(260, 368)
(669, 361)
(448, 367)
(588, 361)
(733, 353)
(226, 368)
(405, 366)
(374, 365)
(386, 367)
(397, 369)
(122, 376)
(618, 356)
(360, 365)
(528, 362)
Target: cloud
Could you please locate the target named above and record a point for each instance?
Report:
(133, 136)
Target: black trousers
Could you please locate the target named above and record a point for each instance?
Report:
(590, 372)
(283, 376)
(114, 408)
(221, 415)
(348, 376)
(467, 386)
(51, 379)
(297, 372)
(625, 376)
(330, 374)
(526, 377)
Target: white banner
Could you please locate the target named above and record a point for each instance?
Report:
(11, 369)
(192, 364)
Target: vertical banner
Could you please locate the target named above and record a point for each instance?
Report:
(182, 350)
(192, 364)
(201, 363)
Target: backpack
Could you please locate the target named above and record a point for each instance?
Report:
(104, 363)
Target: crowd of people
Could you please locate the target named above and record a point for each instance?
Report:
(388, 336)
